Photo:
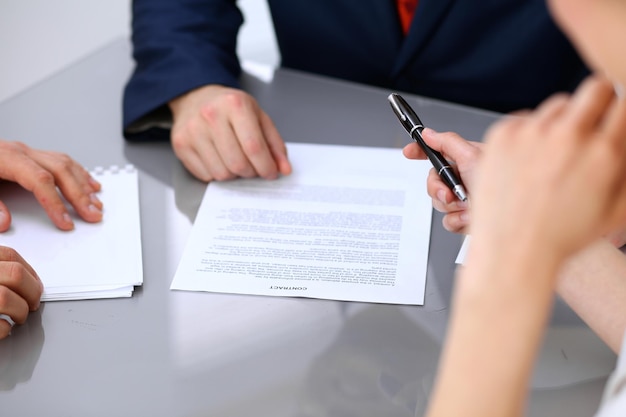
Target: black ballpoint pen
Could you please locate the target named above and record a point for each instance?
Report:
(414, 127)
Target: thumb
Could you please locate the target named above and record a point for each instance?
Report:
(452, 146)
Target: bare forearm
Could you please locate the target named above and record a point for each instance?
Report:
(593, 284)
(500, 309)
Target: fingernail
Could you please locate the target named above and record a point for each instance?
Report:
(428, 131)
(94, 183)
(461, 204)
(92, 208)
(67, 219)
(95, 201)
(441, 196)
(465, 217)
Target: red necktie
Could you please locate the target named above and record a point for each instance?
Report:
(406, 10)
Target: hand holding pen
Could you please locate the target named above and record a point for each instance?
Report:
(414, 127)
(465, 156)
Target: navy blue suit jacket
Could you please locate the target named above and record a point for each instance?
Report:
(500, 55)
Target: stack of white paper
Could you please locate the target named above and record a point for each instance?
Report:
(101, 260)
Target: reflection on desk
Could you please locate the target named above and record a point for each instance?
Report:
(370, 361)
(20, 352)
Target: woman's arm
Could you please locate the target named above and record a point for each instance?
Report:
(533, 172)
(593, 284)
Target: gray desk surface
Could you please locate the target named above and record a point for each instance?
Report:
(164, 353)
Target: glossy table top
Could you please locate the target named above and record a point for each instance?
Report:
(166, 353)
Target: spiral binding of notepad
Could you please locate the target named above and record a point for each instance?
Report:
(113, 169)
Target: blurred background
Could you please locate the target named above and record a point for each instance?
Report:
(40, 37)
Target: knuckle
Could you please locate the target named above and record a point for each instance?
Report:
(452, 224)
(8, 254)
(439, 206)
(432, 175)
(178, 139)
(15, 274)
(17, 147)
(44, 177)
(62, 164)
(65, 161)
(210, 113)
(252, 146)
(193, 127)
(181, 138)
(240, 167)
(234, 99)
(431, 190)
(5, 295)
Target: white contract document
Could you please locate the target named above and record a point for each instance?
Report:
(350, 223)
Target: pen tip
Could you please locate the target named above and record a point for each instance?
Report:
(459, 191)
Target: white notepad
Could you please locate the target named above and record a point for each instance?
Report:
(95, 260)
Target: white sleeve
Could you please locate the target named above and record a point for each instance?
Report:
(614, 398)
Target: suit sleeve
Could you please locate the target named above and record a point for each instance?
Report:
(178, 45)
